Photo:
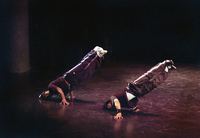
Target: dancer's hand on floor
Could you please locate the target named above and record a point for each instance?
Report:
(118, 116)
(64, 102)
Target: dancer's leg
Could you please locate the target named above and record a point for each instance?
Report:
(82, 65)
(86, 67)
(88, 58)
(84, 62)
(91, 67)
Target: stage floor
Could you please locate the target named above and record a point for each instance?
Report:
(171, 110)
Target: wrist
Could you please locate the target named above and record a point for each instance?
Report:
(119, 110)
(64, 99)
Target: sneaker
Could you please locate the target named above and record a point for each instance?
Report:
(169, 64)
(101, 54)
(100, 51)
(43, 96)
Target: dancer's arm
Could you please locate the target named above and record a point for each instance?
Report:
(64, 101)
(118, 108)
(72, 96)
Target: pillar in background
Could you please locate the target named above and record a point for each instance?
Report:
(19, 54)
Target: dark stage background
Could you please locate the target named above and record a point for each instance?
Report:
(62, 31)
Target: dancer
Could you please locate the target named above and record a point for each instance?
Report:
(128, 98)
(82, 71)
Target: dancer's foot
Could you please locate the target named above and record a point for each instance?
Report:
(44, 95)
(100, 51)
